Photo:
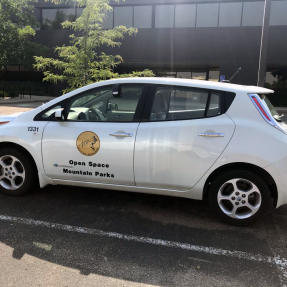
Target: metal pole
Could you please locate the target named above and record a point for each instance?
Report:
(264, 42)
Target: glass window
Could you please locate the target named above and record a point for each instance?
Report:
(184, 75)
(52, 19)
(230, 14)
(199, 75)
(80, 11)
(67, 14)
(164, 16)
(213, 75)
(179, 103)
(49, 18)
(214, 105)
(278, 13)
(107, 23)
(13, 68)
(101, 105)
(185, 15)
(142, 16)
(48, 113)
(252, 13)
(123, 16)
(207, 15)
(164, 73)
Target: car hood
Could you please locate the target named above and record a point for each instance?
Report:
(9, 118)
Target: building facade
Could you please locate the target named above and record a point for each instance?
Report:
(199, 39)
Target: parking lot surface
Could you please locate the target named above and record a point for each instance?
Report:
(70, 236)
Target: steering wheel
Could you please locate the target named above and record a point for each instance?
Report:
(93, 115)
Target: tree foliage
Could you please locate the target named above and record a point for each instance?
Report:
(16, 22)
(80, 63)
(280, 75)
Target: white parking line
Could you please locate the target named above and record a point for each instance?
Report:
(280, 262)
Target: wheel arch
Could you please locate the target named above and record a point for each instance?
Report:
(22, 149)
(268, 179)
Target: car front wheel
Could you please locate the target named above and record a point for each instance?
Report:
(239, 197)
(17, 172)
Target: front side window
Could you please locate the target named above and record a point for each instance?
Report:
(184, 103)
(102, 105)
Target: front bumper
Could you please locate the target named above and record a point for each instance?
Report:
(278, 171)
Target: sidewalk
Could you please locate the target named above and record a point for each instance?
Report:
(26, 99)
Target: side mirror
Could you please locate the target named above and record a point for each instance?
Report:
(59, 115)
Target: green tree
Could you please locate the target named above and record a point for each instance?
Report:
(16, 22)
(79, 63)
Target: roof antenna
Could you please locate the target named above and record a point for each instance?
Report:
(228, 81)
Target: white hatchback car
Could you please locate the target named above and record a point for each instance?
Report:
(194, 139)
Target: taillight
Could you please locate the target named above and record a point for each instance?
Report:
(2, 123)
(265, 114)
(259, 106)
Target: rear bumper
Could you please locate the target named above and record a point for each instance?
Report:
(278, 171)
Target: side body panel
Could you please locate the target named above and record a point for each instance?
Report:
(19, 132)
(172, 155)
(112, 164)
(254, 141)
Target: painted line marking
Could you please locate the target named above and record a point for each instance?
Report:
(277, 260)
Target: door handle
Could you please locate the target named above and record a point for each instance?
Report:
(216, 135)
(121, 135)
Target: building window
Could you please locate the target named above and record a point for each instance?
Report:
(213, 75)
(207, 15)
(108, 21)
(123, 16)
(49, 18)
(252, 13)
(198, 75)
(278, 13)
(230, 14)
(164, 16)
(52, 19)
(142, 16)
(67, 14)
(184, 75)
(185, 16)
(13, 68)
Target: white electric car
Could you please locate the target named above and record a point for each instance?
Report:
(194, 139)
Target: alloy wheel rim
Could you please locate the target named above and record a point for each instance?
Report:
(12, 172)
(239, 198)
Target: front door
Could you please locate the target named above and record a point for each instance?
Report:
(185, 133)
(96, 141)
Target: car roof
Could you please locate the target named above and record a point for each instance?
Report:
(188, 82)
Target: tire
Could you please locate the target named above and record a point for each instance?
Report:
(239, 197)
(18, 173)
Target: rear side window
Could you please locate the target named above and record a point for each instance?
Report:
(184, 103)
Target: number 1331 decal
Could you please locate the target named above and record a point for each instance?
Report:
(33, 129)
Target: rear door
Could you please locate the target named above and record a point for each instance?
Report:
(184, 133)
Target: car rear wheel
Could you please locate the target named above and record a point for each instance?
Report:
(17, 172)
(239, 197)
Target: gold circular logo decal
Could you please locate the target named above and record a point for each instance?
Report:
(88, 143)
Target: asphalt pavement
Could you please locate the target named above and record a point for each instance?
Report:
(71, 236)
